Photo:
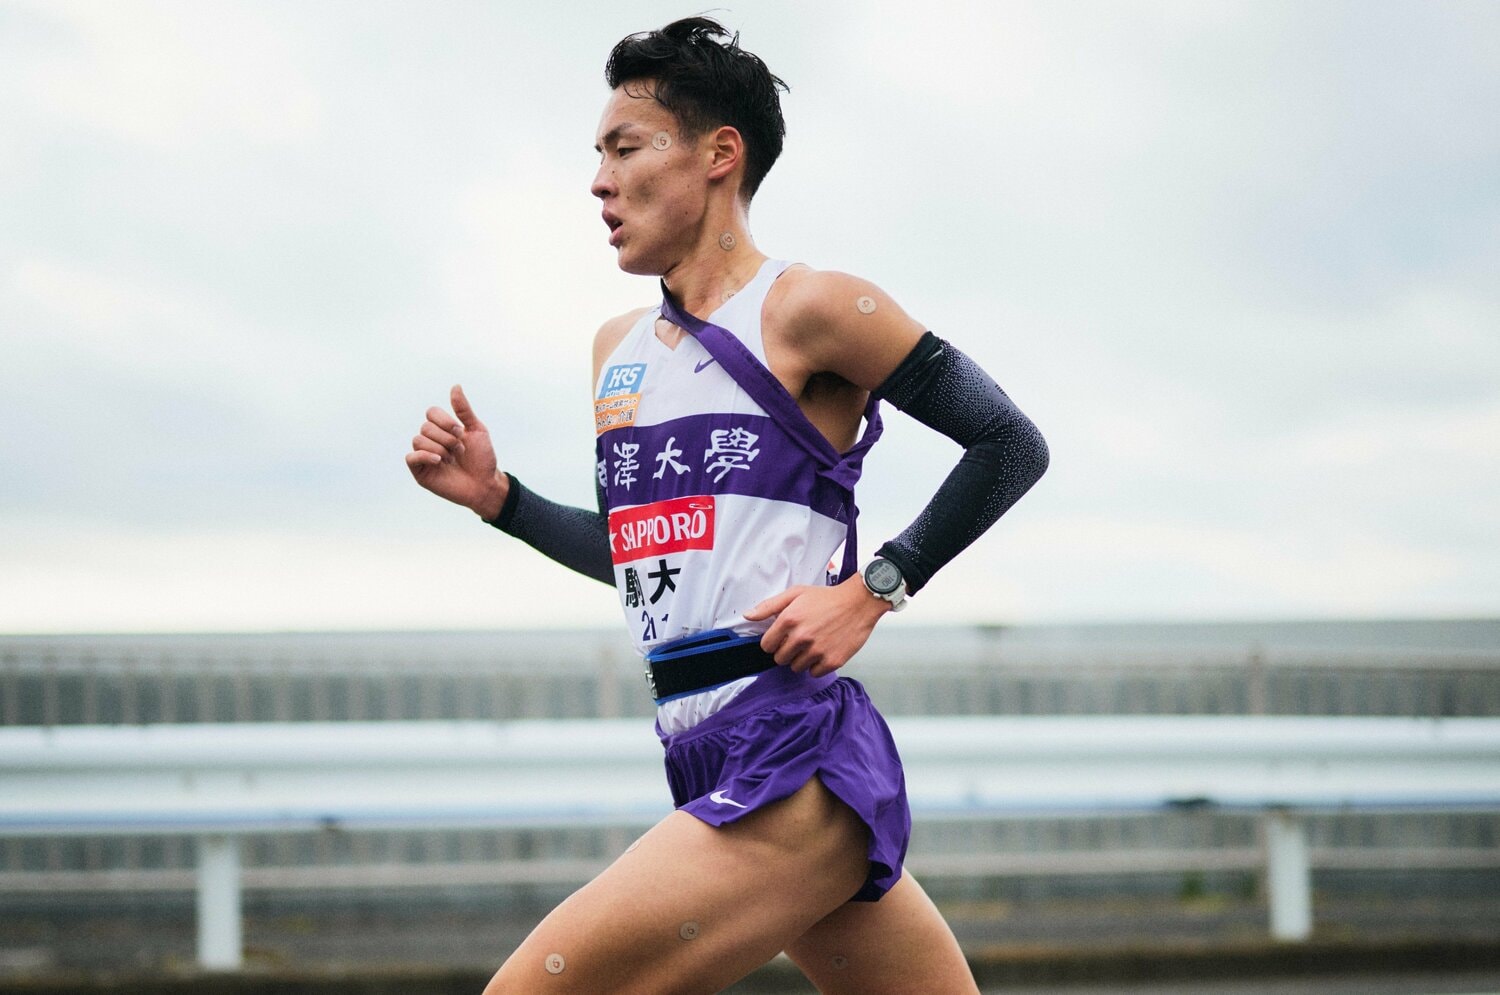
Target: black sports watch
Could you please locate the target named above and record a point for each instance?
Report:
(883, 579)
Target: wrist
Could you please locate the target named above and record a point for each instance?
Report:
(864, 601)
(492, 501)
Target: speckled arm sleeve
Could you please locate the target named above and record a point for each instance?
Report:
(1004, 454)
(575, 537)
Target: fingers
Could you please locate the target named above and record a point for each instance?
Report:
(462, 409)
(801, 655)
(429, 447)
(772, 638)
(442, 430)
(786, 640)
(772, 605)
(796, 655)
(823, 667)
(439, 440)
(418, 460)
(816, 629)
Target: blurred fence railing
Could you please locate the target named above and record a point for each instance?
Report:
(410, 677)
(163, 681)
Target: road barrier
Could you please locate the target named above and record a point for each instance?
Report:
(220, 782)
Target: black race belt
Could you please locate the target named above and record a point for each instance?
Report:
(704, 661)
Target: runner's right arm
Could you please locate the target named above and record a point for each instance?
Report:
(452, 456)
(575, 537)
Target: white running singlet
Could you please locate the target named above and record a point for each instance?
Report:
(720, 492)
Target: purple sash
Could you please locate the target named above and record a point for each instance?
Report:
(840, 469)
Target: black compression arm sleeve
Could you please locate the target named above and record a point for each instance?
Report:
(575, 537)
(1004, 454)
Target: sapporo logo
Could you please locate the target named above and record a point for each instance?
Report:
(661, 528)
(619, 396)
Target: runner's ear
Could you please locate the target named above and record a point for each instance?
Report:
(726, 152)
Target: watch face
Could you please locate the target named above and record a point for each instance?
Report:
(883, 576)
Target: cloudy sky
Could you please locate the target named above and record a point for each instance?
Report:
(1239, 261)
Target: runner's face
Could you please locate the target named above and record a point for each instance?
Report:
(654, 198)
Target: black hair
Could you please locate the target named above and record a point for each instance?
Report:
(706, 83)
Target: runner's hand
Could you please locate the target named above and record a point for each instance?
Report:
(452, 456)
(818, 629)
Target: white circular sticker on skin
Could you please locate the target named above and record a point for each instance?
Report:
(554, 964)
(689, 931)
(661, 141)
(866, 305)
(632, 846)
(727, 241)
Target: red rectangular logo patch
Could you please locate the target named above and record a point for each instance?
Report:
(661, 528)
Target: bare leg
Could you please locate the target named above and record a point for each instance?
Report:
(692, 908)
(895, 946)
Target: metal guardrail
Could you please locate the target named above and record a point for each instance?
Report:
(309, 677)
(222, 782)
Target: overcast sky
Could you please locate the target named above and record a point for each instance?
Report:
(1240, 262)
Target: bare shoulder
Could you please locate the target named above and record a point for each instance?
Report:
(840, 323)
(610, 333)
(805, 295)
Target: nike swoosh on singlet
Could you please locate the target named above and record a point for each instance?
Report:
(720, 798)
(704, 365)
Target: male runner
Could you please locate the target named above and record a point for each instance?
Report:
(729, 441)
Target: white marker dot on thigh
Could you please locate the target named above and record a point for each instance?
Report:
(661, 141)
(632, 846)
(866, 305)
(554, 964)
(689, 931)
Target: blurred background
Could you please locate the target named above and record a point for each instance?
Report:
(1236, 260)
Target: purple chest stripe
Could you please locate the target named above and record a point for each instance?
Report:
(750, 455)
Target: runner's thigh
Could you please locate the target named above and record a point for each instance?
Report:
(692, 908)
(895, 946)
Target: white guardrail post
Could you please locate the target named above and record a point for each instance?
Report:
(221, 942)
(1288, 875)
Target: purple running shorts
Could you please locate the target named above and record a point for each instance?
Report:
(771, 739)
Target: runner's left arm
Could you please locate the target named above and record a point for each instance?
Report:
(882, 349)
(853, 329)
(1004, 454)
